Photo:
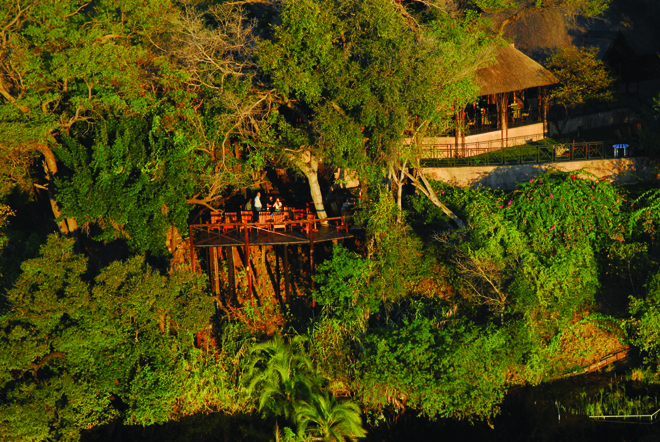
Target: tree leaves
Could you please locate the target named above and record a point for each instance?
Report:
(69, 342)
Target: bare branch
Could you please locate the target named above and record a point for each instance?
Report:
(5, 93)
(77, 10)
(247, 2)
(107, 38)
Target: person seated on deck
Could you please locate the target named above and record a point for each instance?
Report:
(345, 207)
(276, 206)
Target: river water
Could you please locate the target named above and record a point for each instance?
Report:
(533, 413)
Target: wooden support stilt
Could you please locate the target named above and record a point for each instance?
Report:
(277, 272)
(262, 249)
(230, 272)
(210, 269)
(287, 290)
(311, 263)
(248, 270)
(216, 270)
(192, 250)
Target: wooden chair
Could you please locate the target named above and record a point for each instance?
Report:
(230, 218)
(311, 225)
(297, 215)
(278, 221)
(342, 224)
(264, 217)
(246, 216)
(216, 218)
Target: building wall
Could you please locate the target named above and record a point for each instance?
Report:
(622, 170)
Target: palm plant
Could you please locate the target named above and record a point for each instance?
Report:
(280, 376)
(325, 418)
(286, 384)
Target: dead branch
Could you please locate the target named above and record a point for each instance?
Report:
(77, 10)
(421, 183)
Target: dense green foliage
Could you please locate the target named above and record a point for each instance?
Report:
(71, 340)
(289, 387)
(130, 180)
(118, 119)
(358, 75)
(583, 77)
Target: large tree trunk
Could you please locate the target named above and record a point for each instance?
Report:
(309, 165)
(67, 226)
(398, 177)
(421, 183)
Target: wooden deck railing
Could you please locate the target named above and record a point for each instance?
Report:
(242, 230)
(492, 153)
(266, 222)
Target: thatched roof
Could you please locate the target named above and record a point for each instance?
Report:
(512, 71)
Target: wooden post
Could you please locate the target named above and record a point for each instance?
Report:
(311, 263)
(457, 134)
(544, 105)
(192, 250)
(230, 272)
(287, 293)
(277, 271)
(502, 101)
(262, 249)
(248, 270)
(216, 271)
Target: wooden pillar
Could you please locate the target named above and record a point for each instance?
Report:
(216, 270)
(192, 250)
(456, 135)
(262, 250)
(248, 270)
(287, 293)
(459, 119)
(209, 265)
(544, 105)
(230, 272)
(502, 101)
(311, 262)
(277, 272)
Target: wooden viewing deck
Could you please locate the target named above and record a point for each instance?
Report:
(270, 233)
(290, 227)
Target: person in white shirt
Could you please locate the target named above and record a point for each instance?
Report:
(257, 202)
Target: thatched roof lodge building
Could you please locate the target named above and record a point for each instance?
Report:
(512, 108)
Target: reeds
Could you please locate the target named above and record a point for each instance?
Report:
(613, 402)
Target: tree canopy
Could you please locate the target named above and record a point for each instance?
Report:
(126, 120)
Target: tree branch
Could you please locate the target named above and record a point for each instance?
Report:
(77, 10)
